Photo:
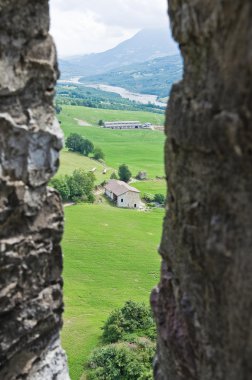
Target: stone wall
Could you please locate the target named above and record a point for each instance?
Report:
(203, 304)
(31, 217)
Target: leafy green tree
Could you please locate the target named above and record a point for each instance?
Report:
(61, 185)
(100, 123)
(132, 317)
(122, 362)
(75, 143)
(98, 154)
(159, 198)
(88, 147)
(124, 173)
(81, 185)
(113, 176)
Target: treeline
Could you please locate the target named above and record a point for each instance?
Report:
(77, 187)
(93, 98)
(77, 143)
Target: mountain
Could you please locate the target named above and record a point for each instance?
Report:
(144, 46)
(154, 77)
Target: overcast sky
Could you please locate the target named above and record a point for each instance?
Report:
(87, 26)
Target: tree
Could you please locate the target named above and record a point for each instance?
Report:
(113, 176)
(61, 185)
(75, 143)
(159, 198)
(124, 173)
(81, 185)
(88, 147)
(100, 123)
(98, 154)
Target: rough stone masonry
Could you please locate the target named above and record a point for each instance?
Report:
(203, 304)
(31, 218)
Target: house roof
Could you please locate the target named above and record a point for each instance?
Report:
(119, 187)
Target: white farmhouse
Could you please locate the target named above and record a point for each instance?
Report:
(123, 194)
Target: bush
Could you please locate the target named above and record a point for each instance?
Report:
(61, 185)
(113, 176)
(122, 362)
(77, 188)
(124, 173)
(98, 154)
(148, 197)
(159, 198)
(76, 143)
(133, 317)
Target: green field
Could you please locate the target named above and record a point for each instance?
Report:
(139, 149)
(70, 161)
(110, 256)
(155, 186)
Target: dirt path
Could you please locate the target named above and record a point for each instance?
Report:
(82, 123)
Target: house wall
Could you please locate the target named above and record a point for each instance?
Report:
(129, 200)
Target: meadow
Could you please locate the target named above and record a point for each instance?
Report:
(139, 149)
(70, 161)
(110, 256)
(154, 186)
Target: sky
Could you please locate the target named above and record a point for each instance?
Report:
(91, 26)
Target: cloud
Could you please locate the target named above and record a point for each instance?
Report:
(85, 26)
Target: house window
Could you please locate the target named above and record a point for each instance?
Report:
(121, 200)
(135, 205)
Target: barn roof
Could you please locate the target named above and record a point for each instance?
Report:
(119, 187)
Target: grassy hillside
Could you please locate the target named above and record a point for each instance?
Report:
(151, 187)
(140, 149)
(70, 161)
(109, 257)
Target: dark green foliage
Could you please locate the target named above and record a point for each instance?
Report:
(122, 362)
(148, 197)
(58, 108)
(113, 176)
(132, 318)
(159, 198)
(76, 143)
(100, 123)
(61, 185)
(130, 336)
(81, 185)
(77, 188)
(124, 173)
(98, 154)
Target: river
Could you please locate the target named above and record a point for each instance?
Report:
(126, 94)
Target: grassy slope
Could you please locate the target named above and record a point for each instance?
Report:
(140, 149)
(70, 161)
(151, 187)
(110, 257)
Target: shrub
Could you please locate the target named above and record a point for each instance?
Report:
(61, 185)
(113, 176)
(98, 154)
(77, 143)
(121, 362)
(159, 198)
(133, 317)
(124, 173)
(148, 197)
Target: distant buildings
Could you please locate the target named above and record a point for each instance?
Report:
(122, 194)
(126, 125)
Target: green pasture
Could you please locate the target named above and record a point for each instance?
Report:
(110, 256)
(70, 161)
(139, 149)
(154, 186)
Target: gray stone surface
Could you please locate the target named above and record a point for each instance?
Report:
(31, 216)
(203, 304)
